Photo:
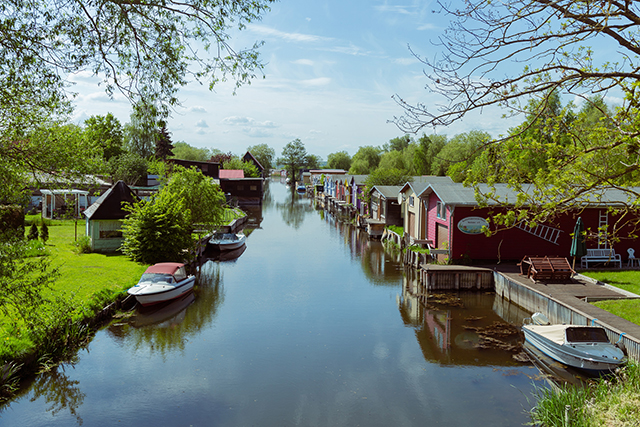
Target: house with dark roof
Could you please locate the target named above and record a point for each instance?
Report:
(449, 216)
(104, 217)
(248, 157)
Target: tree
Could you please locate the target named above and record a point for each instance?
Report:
(128, 167)
(313, 161)
(33, 232)
(339, 160)
(162, 228)
(140, 133)
(158, 230)
(107, 133)
(249, 169)
(398, 144)
(184, 151)
(365, 160)
(391, 176)
(392, 160)
(294, 157)
(164, 147)
(265, 155)
(144, 50)
(557, 40)
(427, 150)
(458, 155)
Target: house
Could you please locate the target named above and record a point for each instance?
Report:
(355, 197)
(384, 204)
(209, 169)
(454, 224)
(248, 157)
(104, 218)
(244, 191)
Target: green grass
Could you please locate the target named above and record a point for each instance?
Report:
(86, 283)
(629, 280)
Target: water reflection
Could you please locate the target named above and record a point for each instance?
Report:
(59, 392)
(459, 328)
(169, 326)
(295, 208)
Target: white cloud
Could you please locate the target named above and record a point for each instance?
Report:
(320, 81)
(406, 61)
(197, 109)
(292, 37)
(202, 124)
(247, 121)
(427, 27)
(402, 10)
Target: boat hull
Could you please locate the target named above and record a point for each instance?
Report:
(228, 244)
(572, 355)
(157, 293)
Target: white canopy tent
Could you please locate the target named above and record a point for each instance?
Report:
(55, 202)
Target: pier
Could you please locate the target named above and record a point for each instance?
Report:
(562, 301)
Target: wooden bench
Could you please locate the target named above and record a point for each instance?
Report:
(600, 255)
(546, 268)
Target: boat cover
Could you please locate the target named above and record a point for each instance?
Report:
(164, 268)
(554, 333)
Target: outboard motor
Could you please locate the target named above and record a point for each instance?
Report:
(539, 319)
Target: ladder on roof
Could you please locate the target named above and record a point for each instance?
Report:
(603, 226)
(550, 234)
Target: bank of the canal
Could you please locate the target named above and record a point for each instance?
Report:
(311, 325)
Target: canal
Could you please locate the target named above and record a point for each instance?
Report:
(312, 325)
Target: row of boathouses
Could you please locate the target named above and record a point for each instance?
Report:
(446, 217)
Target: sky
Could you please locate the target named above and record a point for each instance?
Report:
(331, 70)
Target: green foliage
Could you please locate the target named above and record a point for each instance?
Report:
(164, 147)
(390, 176)
(339, 160)
(398, 144)
(184, 151)
(265, 155)
(427, 150)
(83, 245)
(44, 232)
(365, 160)
(158, 230)
(105, 132)
(312, 161)
(249, 169)
(33, 232)
(294, 157)
(128, 167)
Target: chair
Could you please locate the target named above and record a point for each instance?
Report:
(632, 261)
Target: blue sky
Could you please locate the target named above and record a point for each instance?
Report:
(331, 70)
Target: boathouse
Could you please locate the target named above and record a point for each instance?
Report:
(450, 218)
(104, 218)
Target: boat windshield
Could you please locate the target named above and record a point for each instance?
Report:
(156, 278)
(587, 334)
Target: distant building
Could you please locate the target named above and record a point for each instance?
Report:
(104, 218)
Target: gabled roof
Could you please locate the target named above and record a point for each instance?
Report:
(249, 157)
(388, 191)
(420, 183)
(231, 173)
(109, 205)
(358, 179)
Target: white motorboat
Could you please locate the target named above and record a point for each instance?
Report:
(162, 282)
(227, 241)
(578, 346)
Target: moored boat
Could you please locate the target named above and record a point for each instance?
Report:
(227, 241)
(162, 282)
(578, 346)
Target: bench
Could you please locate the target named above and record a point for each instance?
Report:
(546, 268)
(600, 255)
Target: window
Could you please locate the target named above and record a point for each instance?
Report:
(411, 201)
(441, 210)
(240, 187)
(253, 187)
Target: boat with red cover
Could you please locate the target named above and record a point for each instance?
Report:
(162, 282)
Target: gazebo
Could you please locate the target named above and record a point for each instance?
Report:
(55, 203)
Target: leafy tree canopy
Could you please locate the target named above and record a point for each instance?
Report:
(105, 132)
(184, 151)
(265, 155)
(339, 160)
(249, 169)
(559, 41)
(128, 167)
(365, 160)
(294, 157)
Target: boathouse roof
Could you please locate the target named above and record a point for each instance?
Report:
(388, 191)
(109, 205)
(231, 173)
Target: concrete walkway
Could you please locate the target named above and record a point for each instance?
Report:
(575, 293)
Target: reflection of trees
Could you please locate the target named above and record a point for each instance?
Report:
(294, 211)
(168, 327)
(59, 392)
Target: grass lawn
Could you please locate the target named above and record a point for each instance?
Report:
(85, 280)
(629, 280)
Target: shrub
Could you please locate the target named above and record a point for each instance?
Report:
(83, 245)
(44, 232)
(33, 232)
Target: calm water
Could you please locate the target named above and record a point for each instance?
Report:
(313, 325)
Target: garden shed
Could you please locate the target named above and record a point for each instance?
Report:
(104, 217)
(61, 203)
